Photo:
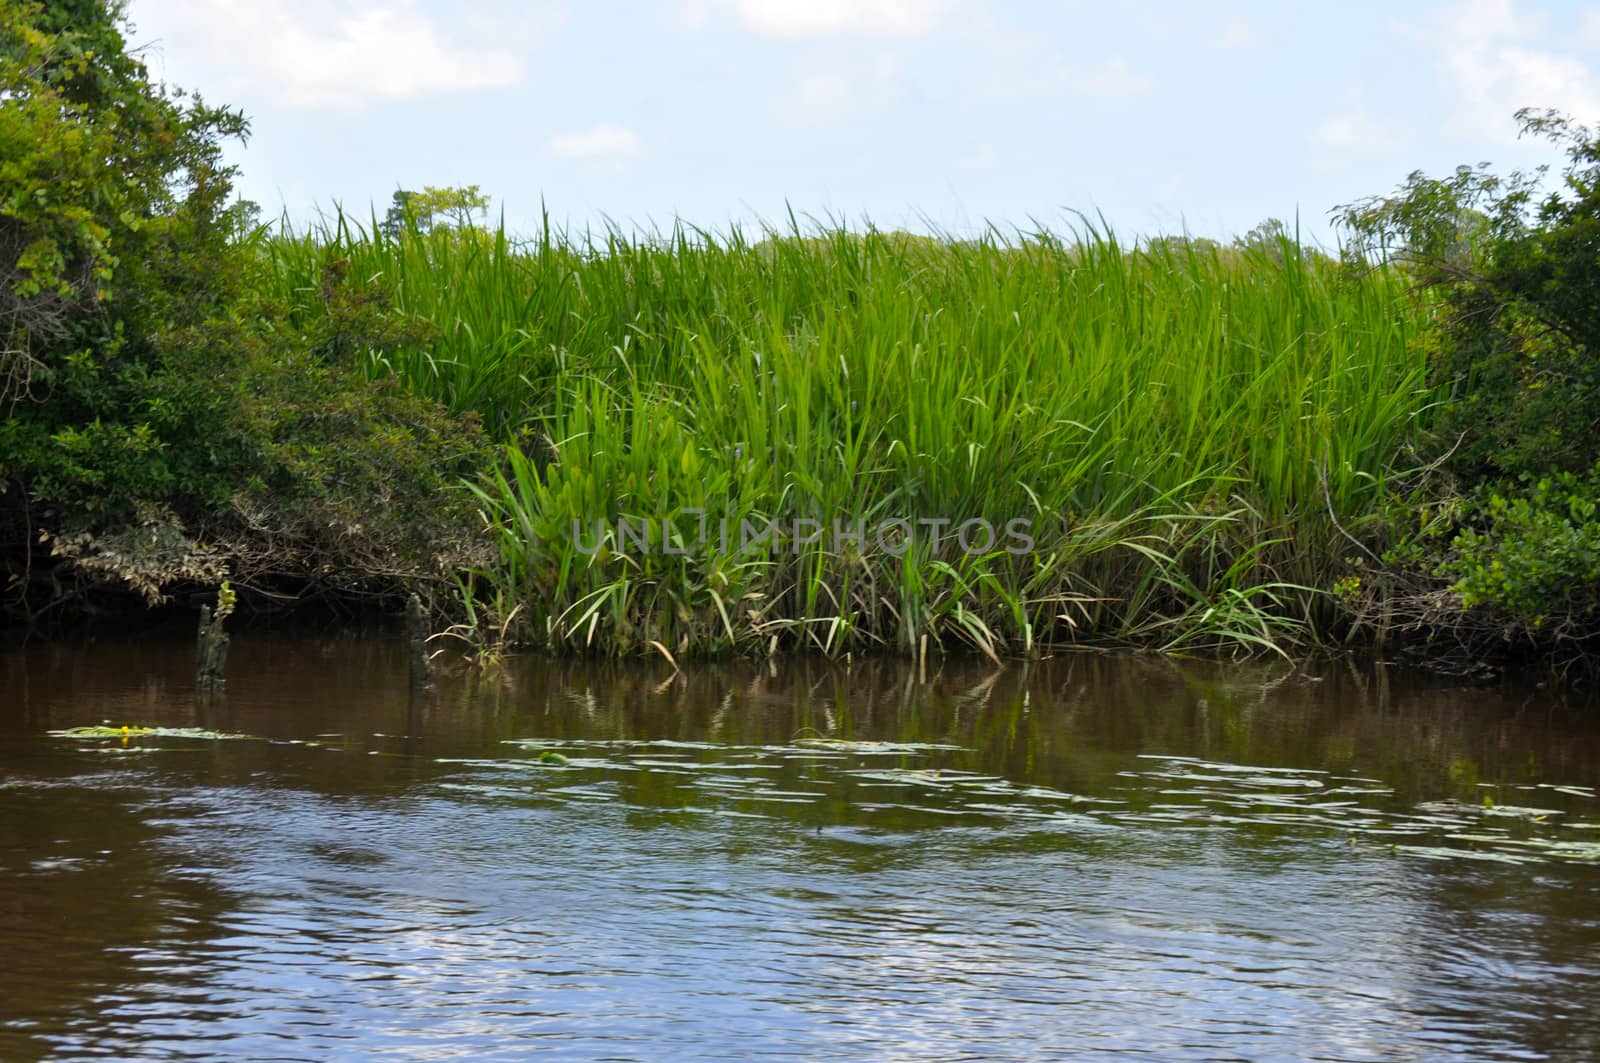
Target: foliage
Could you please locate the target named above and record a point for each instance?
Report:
(1516, 278)
(1179, 423)
(109, 190)
(1270, 237)
(354, 481)
(168, 423)
(1537, 557)
(1510, 277)
(452, 206)
(399, 216)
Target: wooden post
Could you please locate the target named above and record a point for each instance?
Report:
(211, 643)
(417, 642)
(211, 652)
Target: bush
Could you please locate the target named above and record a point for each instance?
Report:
(1514, 282)
(1511, 552)
(1536, 557)
(167, 423)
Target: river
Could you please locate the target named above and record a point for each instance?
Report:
(1087, 857)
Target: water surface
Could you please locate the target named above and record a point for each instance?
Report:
(1088, 857)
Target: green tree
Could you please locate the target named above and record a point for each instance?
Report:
(155, 399)
(101, 178)
(1268, 237)
(1511, 276)
(1266, 233)
(1516, 273)
(399, 215)
(455, 207)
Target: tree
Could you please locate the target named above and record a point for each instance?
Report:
(1266, 233)
(1517, 275)
(455, 205)
(166, 420)
(399, 214)
(1268, 237)
(451, 206)
(1511, 275)
(100, 176)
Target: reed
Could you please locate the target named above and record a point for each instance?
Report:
(1192, 431)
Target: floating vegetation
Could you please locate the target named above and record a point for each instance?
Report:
(1198, 791)
(1575, 791)
(834, 783)
(1441, 852)
(875, 749)
(1518, 812)
(129, 731)
(103, 731)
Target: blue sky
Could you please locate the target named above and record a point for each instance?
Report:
(1160, 116)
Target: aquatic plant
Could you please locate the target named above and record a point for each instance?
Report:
(1191, 433)
(126, 731)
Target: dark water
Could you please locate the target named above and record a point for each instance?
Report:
(1088, 858)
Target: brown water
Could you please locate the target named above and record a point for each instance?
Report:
(1087, 858)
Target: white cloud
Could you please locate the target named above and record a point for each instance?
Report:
(982, 157)
(322, 54)
(842, 91)
(1112, 78)
(602, 144)
(1490, 20)
(1019, 69)
(800, 19)
(1589, 28)
(1237, 32)
(1490, 56)
(1354, 133)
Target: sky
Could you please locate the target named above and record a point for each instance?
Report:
(929, 115)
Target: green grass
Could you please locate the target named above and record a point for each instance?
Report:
(1181, 424)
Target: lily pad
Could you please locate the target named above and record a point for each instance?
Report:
(129, 731)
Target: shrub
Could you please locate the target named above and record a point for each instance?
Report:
(1515, 294)
(1511, 278)
(1536, 556)
(167, 422)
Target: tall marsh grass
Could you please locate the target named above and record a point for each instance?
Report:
(1194, 433)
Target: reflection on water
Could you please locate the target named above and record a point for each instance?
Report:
(1086, 857)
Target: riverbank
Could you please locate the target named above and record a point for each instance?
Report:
(849, 442)
(830, 442)
(797, 439)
